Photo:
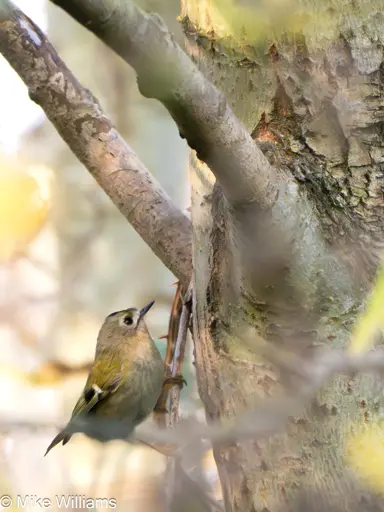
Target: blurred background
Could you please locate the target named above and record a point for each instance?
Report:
(67, 259)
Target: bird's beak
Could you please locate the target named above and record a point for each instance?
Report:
(145, 309)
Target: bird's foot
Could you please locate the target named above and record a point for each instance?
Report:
(177, 380)
(160, 409)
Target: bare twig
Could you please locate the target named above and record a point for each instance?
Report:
(176, 338)
(176, 371)
(78, 118)
(178, 356)
(160, 412)
(200, 110)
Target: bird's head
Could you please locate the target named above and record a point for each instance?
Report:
(125, 324)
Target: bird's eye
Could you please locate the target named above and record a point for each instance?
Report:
(128, 320)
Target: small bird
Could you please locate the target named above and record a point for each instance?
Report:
(124, 383)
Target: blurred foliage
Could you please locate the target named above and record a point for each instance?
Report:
(372, 320)
(24, 206)
(12, 372)
(365, 447)
(249, 22)
(365, 454)
(254, 20)
(48, 374)
(53, 372)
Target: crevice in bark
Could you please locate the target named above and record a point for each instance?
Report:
(306, 121)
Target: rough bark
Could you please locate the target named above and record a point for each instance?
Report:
(313, 103)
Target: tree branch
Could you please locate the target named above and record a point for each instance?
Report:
(80, 121)
(200, 110)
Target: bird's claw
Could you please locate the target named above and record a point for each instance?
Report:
(160, 409)
(177, 380)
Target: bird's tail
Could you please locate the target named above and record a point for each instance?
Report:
(61, 436)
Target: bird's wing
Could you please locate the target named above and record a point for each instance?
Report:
(105, 378)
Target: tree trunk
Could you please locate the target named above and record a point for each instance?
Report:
(312, 100)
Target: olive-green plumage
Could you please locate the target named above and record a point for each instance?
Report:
(124, 383)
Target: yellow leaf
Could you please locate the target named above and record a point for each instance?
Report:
(54, 372)
(365, 454)
(24, 207)
(372, 320)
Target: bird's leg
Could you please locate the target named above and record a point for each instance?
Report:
(177, 380)
(160, 409)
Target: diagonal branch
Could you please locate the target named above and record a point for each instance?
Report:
(79, 119)
(200, 110)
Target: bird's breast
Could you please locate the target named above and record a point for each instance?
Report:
(142, 388)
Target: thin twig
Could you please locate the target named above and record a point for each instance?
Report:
(174, 413)
(178, 356)
(176, 342)
(160, 412)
